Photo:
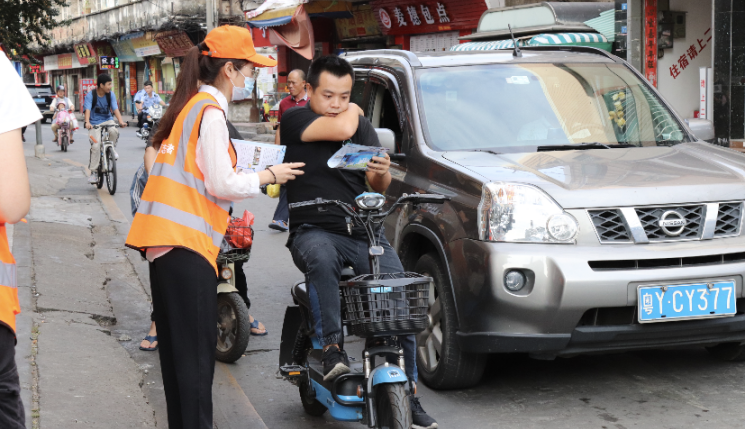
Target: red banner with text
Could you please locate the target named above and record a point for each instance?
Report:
(427, 16)
(650, 41)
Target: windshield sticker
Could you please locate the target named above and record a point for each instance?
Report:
(451, 95)
(518, 80)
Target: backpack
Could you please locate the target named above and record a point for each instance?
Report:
(95, 100)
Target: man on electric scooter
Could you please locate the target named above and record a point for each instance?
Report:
(144, 99)
(319, 241)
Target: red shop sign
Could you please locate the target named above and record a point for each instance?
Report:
(427, 16)
(650, 41)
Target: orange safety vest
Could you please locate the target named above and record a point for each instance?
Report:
(9, 305)
(175, 208)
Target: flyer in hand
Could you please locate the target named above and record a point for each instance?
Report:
(355, 156)
(255, 156)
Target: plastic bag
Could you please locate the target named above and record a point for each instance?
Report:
(239, 233)
(272, 191)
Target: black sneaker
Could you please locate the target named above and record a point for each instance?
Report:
(420, 418)
(335, 363)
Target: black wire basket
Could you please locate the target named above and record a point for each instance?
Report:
(386, 304)
(229, 253)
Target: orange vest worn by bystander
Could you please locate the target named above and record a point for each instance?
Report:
(9, 305)
(175, 209)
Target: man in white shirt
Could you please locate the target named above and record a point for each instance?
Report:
(60, 99)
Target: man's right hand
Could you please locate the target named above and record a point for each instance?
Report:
(88, 126)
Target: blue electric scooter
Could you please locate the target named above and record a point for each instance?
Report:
(379, 307)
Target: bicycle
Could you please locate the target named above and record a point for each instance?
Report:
(107, 163)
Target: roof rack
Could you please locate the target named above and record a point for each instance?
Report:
(571, 48)
(407, 55)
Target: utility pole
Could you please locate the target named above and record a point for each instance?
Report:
(211, 14)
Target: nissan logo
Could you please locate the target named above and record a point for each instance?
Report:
(672, 223)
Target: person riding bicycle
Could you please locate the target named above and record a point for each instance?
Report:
(320, 243)
(99, 106)
(60, 100)
(144, 99)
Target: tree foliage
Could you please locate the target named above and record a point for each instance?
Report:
(25, 25)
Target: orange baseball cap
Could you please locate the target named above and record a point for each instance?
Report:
(231, 41)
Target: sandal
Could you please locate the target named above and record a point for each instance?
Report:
(279, 225)
(151, 339)
(255, 325)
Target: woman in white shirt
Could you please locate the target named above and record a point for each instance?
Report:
(183, 211)
(53, 107)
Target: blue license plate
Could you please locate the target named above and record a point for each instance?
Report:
(690, 301)
(39, 100)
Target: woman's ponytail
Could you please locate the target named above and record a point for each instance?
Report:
(187, 85)
(195, 69)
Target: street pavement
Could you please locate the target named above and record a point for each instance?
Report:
(92, 310)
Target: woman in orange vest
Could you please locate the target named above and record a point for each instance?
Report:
(17, 110)
(183, 214)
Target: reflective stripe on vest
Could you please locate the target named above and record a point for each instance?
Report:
(175, 208)
(9, 305)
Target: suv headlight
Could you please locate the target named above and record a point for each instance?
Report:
(519, 213)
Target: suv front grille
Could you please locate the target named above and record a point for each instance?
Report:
(610, 226)
(728, 219)
(650, 218)
(657, 224)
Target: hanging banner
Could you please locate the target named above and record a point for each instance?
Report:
(86, 85)
(125, 52)
(650, 41)
(144, 45)
(427, 16)
(86, 54)
(174, 43)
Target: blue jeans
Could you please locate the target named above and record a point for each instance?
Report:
(283, 210)
(321, 255)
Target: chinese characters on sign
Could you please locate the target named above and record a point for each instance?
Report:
(442, 15)
(86, 54)
(691, 53)
(650, 41)
(109, 62)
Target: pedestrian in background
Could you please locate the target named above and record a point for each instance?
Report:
(183, 214)
(100, 109)
(298, 97)
(17, 109)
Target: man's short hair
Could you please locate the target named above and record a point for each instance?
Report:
(338, 67)
(299, 72)
(148, 83)
(103, 79)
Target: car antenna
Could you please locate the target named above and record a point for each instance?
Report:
(516, 53)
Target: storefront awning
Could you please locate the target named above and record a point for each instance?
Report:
(594, 40)
(281, 12)
(487, 46)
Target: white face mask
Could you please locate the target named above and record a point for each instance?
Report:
(244, 92)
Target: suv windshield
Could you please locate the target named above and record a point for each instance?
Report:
(519, 107)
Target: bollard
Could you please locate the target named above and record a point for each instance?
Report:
(39, 148)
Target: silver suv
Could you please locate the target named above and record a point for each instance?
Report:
(585, 215)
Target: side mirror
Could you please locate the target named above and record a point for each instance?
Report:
(387, 139)
(703, 129)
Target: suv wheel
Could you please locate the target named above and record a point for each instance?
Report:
(439, 359)
(732, 352)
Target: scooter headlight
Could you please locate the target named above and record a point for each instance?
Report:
(370, 201)
(226, 273)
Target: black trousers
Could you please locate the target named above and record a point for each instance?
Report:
(12, 415)
(141, 119)
(184, 291)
